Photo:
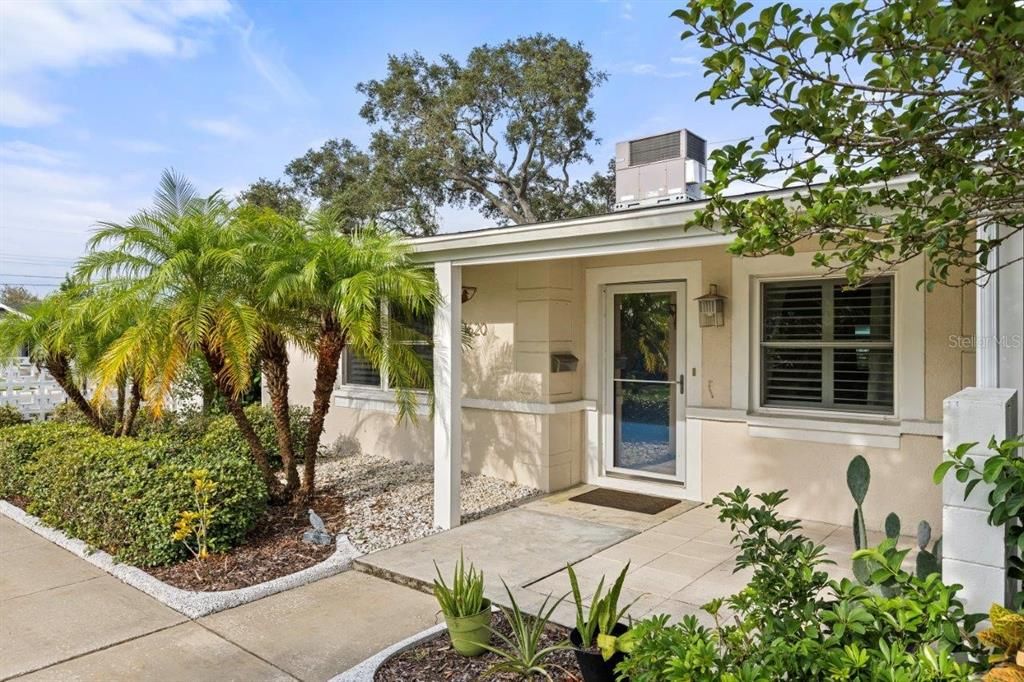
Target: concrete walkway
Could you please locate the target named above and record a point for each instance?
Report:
(680, 564)
(61, 618)
(679, 559)
(527, 546)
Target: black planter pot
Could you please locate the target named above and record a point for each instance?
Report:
(592, 664)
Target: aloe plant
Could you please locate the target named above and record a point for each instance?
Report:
(597, 623)
(522, 653)
(465, 596)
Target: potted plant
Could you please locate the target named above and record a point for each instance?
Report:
(596, 636)
(467, 613)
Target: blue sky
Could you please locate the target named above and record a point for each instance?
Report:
(97, 97)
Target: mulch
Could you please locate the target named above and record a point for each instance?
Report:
(437, 660)
(273, 548)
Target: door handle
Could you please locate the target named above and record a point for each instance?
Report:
(682, 384)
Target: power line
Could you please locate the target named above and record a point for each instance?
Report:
(29, 284)
(22, 274)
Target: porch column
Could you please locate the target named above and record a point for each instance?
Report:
(974, 553)
(447, 395)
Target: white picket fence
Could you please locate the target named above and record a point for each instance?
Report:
(33, 391)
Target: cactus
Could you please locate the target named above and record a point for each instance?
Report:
(858, 479)
(927, 562)
(892, 526)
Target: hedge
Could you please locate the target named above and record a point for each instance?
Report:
(123, 495)
(220, 433)
(19, 445)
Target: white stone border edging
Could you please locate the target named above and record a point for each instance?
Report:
(364, 672)
(186, 602)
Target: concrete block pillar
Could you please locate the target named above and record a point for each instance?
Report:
(973, 552)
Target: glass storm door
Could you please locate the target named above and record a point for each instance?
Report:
(645, 405)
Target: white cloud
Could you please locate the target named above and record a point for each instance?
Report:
(49, 206)
(272, 70)
(220, 127)
(19, 151)
(684, 60)
(627, 11)
(21, 110)
(645, 69)
(49, 35)
(140, 146)
(45, 37)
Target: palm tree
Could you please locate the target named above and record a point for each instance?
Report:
(343, 283)
(273, 247)
(177, 266)
(97, 319)
(56, 342)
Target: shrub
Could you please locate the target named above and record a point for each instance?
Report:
(222, 433)
(10, 416)
(19, 446)
(792, 623)
(124, 495)
(68, 413)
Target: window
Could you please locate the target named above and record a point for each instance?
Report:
(827, 347)
(415, 331)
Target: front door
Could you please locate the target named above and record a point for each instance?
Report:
(644, 398)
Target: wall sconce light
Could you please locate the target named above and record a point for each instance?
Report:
(468, 293)
(711, 308)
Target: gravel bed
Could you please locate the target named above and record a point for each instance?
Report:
(389, 502)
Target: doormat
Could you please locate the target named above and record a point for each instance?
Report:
(618, 499)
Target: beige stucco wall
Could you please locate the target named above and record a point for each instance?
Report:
(815, 475)
(522, 312)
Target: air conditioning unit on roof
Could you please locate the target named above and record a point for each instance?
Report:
(659, 170)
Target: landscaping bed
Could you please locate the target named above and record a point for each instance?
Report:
(436, 659)
(127, 495)
(376, 502)
(274, 548)
(389, 503)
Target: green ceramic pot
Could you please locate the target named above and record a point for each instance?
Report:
(470, 633)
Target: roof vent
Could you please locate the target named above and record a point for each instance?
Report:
(661, 169)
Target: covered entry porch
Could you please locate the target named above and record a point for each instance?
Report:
(563, 327)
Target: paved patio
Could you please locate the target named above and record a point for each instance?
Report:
(520, 546)
(679, 559)
(678, 565)
(61, 618)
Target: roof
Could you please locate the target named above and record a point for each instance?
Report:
(630, 231)
(640, 229)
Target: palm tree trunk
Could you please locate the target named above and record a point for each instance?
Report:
(259, 453)
(328, 355)
(128, 428)
(275, 369)
(60, 369)
(118, 424)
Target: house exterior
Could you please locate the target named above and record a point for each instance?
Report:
(589, 363)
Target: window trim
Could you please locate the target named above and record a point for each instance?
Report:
(826, 342)
(757, 406)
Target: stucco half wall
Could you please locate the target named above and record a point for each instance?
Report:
(815, 475)
(523, 423)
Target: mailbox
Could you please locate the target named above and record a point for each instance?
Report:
(563, 362)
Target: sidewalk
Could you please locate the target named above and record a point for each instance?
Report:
(61, 618)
